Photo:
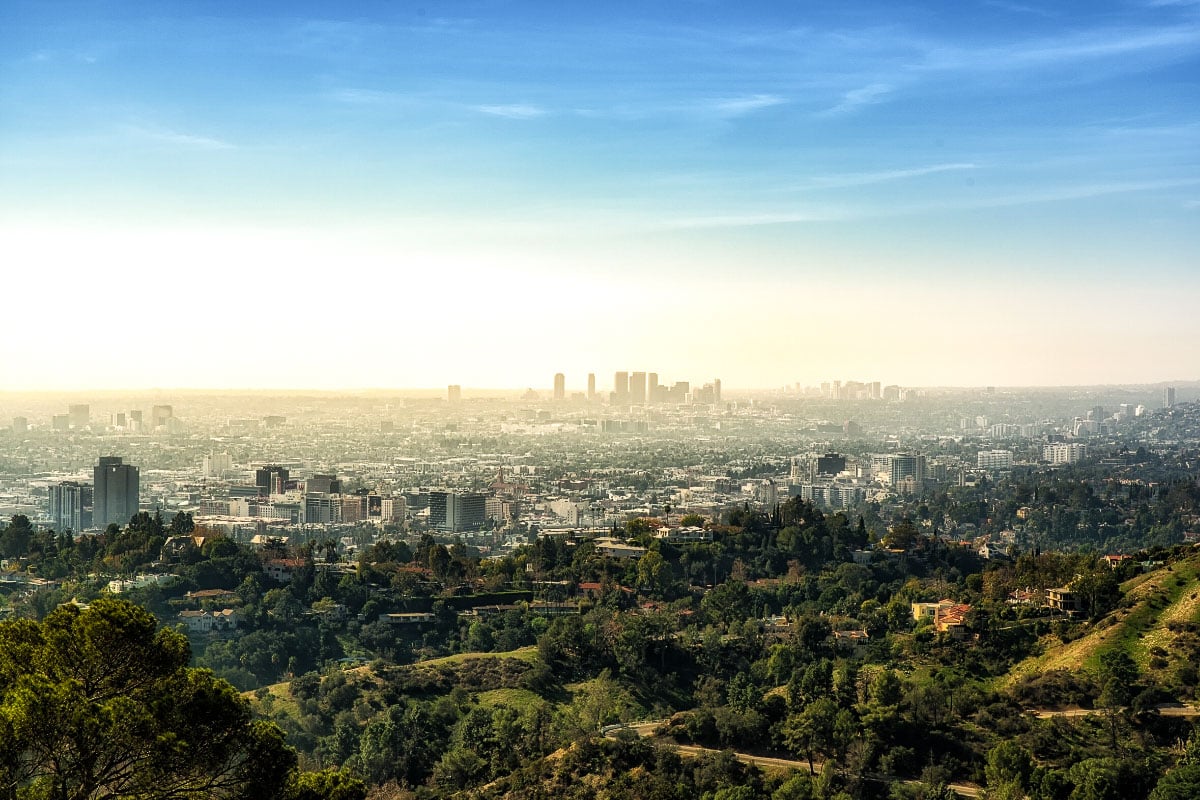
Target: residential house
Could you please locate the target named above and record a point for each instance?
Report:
(209, 621)
(850, 641)
(1063, 599)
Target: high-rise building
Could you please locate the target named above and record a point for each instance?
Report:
(69, 506)
(454, 394)
(1063, 453)
(79, 416)
(591, 392)
(830, 464)
(621, 387)
(897, 467)
(560, 386)
(452, 511)
(216, 464)
(20, 425)
(716, 390)
(159, 416)
(994, 459)
(323, 484)
(1169, 397)
(271, 480)
(637, 388)
(652, 387)
(115, 494)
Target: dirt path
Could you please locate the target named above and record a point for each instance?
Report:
(647, 730)
(1164, 709)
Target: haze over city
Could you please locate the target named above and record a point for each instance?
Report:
(385, 195)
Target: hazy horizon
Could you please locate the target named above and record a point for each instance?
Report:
(484, 194)
(545, 390)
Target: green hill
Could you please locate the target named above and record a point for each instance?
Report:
(1156, 624)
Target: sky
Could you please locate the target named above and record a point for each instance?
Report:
(394, 194)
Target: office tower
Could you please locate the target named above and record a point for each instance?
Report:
(906, 465)
(60, 422)
(876, 390)
(1169, 397)
(591, 394)
(69, 506)
(159, 416)
(637, 388)
(115, 493)
(323, 484)
(560, 386)
(216, 464)
(271, 480)
(831, 464)
(652, 387)
(454, 394)
(452, 511)
(20, 425)
(621, 387)
(79, 416)
(716, 390)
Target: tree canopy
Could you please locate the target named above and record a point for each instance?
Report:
(100, 703)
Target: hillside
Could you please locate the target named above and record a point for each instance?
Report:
(1156, 625)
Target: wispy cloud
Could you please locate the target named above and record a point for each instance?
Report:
(1020, 8)
(737, 106)
(869, 178)
(819, 214)
(785, 217)
(363, 97)
(55, 56)
(513, 110)
(1053, 194)
(177, 138)
(857, 98)
(1093, 45)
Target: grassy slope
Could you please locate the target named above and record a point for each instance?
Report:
(1169, 594)
(529, 654)
(282, 700)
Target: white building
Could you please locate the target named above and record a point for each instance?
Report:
(994, 459)
(209, 621)
(1063, 453)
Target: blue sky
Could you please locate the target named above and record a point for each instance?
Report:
(1014, 185)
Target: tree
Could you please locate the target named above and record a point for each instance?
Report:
(99, 703)
(182, 523)
(328, 784)
(16, 536)
(812, 730)
(652, 571)
(1182, 783)
(1008, 764)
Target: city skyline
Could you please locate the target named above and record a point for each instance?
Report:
(984, 194)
